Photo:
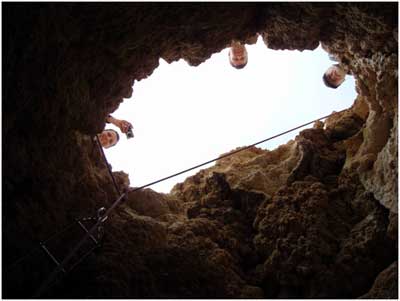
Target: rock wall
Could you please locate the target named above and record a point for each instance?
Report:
(318, 233)
(315, 218)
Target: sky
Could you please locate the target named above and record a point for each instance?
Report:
(183, 116)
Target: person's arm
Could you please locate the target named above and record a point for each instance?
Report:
(122, 124)
(112, 120)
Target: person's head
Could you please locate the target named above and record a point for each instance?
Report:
(238, 55)
(334, 76)
(108, 138)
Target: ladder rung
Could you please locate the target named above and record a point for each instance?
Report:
(51, 255)
(86, 230)
(82, 258)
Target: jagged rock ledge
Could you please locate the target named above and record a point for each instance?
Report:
(315, 218)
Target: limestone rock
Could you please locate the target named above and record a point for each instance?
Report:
(382, 180)
(254, 169)
(150, 203)
(316, 217)
(386, 284)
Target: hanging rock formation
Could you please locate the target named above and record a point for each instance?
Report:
(314, 218)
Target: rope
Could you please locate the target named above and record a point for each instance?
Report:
(58, 233)
(108, 165)
(54, 235)
(104, 217)
(39, 247)
(234, 152)
(60, 267)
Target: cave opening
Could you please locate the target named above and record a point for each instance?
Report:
(303, 221)
(185, 115)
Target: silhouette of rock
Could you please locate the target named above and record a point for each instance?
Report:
(314, 218)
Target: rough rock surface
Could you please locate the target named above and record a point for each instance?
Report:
(386, 284)
(315, 218)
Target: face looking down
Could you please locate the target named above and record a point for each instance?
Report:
(335, 75)
(108, 138)
(238, 55)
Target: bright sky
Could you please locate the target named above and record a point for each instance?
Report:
(183, 116)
